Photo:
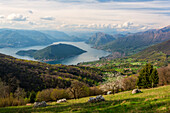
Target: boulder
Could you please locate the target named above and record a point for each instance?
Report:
(40, 104)
(109, 92)
(98, 98)
(136, 91)
(61, 100)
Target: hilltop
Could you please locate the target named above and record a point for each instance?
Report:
(150, 101)
(53, 52)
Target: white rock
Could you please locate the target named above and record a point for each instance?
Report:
(136, 91)
(61, 100)
(109, 92)
(98, 98)
(40, 104)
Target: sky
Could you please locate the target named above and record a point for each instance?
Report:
(85, 15)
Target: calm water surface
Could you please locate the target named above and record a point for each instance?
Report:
(90, 55)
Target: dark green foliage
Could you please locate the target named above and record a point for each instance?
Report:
(26, 53)
(32, 96)
(148, 77)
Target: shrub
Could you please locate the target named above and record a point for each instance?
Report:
(44, 95)
(11, 101)
(164, 76)
(59, 94)
(95, 91)
(114, 86)
(129, 82)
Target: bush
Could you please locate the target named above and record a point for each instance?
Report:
(11, 101)
(129, 82)
(95, 91)
(164, 76)
(44, 95)
(114, 86)
(59, 94)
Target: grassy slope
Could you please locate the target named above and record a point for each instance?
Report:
(151, 100)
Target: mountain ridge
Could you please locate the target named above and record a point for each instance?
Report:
(133, 43)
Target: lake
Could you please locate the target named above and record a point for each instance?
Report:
(91, 54)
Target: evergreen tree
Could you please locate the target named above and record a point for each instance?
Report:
(148, 77)
(154, 79)
(32, 97)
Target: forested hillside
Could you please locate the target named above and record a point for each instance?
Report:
(31, 75)
(155, 53)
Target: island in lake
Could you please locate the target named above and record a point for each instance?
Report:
(53, 52)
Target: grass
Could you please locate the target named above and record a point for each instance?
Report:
(150, 101)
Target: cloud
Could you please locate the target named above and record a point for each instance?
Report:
(32, 23)
(2, 16)
(31, 12)
(16, 17)
(124, 0)
(48, 18)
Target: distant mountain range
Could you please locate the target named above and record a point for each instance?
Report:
(133, 43)
(53, 52)
(24, 38)
(99, 39)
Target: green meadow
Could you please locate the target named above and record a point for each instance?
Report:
(154, 100)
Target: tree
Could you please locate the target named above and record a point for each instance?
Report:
(19, 93)
(4, 90)
(148, 77)
(154, 78)
(32, 97)
(78, 89)
(59, 94)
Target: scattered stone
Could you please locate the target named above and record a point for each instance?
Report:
(97, 99)
(40, 104)
(61, 100)
(136, 91)
(109, 92)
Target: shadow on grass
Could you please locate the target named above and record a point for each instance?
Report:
(117, 106)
